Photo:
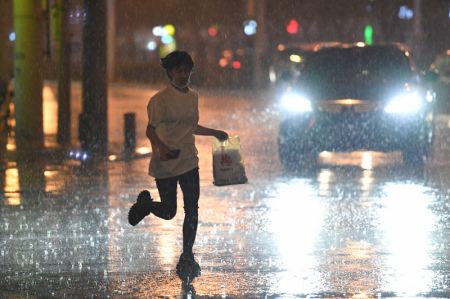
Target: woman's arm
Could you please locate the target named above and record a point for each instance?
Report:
(204, 131)
(157, 144)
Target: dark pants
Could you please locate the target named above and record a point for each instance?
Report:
(167, 208)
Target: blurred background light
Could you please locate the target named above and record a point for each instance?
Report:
(223, 62)
(360, 44)
(158, 31)
(405, 13)
(167, 39)
(212, 31)
(236, 65)
(250, 27)
(169, 29)
(151, 45)
(12, 36)
(295, 58)
(368, 34)
(143, 150)
(292, 26)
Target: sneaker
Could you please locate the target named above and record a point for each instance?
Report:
(141, 208)
(188, 267)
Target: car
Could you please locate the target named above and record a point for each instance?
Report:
(356, 97)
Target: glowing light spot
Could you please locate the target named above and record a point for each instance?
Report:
(50, 108)
(169, 29)
(405, 13)
(281, 47)
(167, 39)
(158, 31)
(223, 62)
(295, 58)
(250, 27)
(348, 102)
(292, 27)
(143, 150)
(236, 64)
(151, 45)
(212, 31)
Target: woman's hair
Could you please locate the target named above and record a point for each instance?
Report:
(176, 59)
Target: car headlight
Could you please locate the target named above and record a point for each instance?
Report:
(406, 103)
(295, 103)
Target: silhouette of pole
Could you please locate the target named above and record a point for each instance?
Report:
(418, 31)
(28, 79)
(63, 73)
(5, 66)
(111, 41)
(93, 120)
(257, 9)
(130, 133)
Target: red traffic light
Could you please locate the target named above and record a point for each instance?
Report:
(292, 27)
(236, 64)
(212, 31)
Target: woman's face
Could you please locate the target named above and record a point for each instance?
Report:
(181, 75)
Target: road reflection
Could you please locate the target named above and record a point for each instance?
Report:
(406, 223)
(349, 227)
(296, 221)
(10, 186)
(21, 180)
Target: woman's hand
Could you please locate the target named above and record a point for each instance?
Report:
(221, 135)
(164, 151)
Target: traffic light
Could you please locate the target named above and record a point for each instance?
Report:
(213, 30)
(368, 34)
(292, 26)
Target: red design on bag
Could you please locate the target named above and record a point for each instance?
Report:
(225, 160)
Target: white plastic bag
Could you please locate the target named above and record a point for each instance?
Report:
(228, 164)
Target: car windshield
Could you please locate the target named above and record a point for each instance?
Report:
(357, 64)
(288, 63)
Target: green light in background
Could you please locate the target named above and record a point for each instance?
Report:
(368, 35)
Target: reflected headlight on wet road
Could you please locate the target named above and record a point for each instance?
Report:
(295, 103)
(405, 103)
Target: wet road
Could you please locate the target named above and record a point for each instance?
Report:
(361, 225)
